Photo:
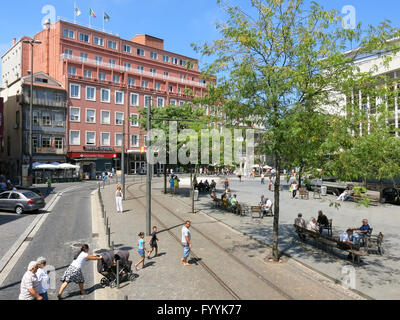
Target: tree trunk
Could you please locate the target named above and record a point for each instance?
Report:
(299, 177)
(165, 179)
(275, 252)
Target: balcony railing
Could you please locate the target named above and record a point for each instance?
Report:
(65, 56)
(50, 150)
(45, 102)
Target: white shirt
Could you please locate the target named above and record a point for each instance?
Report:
(344, 237)
(29, 281)
(80, 260)
(312, 226)
(43, 279)
(268, 204)
(185, 233)
(118, 193)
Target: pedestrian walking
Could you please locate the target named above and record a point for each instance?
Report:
(172, 184)
(240, 177)
(176, 184)
(43, 278)
(262, 178)
(48, 185)
(186, 242)
(141, 250)
(153, 243)
(118, 199)
(29, 289)
(226, 183)
(294, 187)
(74, 271)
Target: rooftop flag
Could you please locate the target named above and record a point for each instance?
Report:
(106, 17)
(77, 12)
(91, 13)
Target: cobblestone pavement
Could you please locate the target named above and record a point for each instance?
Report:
(377, 276)
(226, 264)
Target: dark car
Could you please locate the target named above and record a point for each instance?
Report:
(21, 201)
(391, 195)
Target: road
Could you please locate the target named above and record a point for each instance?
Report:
(66, 227)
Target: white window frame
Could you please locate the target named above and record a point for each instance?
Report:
(70, 91)
(138, 141)
(147, 98)
(70, 136)
(68, 33)
(115, 139)
(137, 100)
(83, 57)
(129, 81)
(112, 47)
(165, 58)
(137, 121)
(86, 142)
(113, 63)
(141, 51)
(105, 78)
(145, 82)
(119, 78)
(153, 55)
(101, 139)
(94, 94)
(85, 34)
(170, 102)
(98, 60)
(163, 102)
(86, 115)
(97, 44)
(89, 72)
(125, 46)
(115, 120)
(101, 95)
(79, 116)
(157, 86)
(123, 97)
(73, 69)
(181, 102)
(101, 116)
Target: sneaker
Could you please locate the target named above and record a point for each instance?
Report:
(59, 297)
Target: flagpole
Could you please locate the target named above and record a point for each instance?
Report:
(103, 21)
(74, 12)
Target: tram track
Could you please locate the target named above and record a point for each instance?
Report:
(217, 245)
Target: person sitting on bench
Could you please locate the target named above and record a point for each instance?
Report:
(266, 207)
(345, 195)
(234, 202)
(346, 237)
(322, 221)
(213, 195)
(213, 185)
(299, 221)
(313, 225)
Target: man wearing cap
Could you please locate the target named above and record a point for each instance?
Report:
(43, 278)
(30, 284)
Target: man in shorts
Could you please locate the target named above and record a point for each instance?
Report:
(186, 242)
(153, 243)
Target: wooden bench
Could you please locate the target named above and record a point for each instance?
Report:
(256, 209)
(303, 192)
(331, 242)
(358, 198)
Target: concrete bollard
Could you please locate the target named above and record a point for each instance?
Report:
(109, 236)
(117, 274)
(126, 298)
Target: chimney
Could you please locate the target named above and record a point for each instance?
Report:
(14, 41)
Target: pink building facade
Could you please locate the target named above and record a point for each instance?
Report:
(109, 79)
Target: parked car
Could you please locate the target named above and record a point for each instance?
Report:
(35, 190)
(21, 201)
(391, 195)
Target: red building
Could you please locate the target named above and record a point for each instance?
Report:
(108, 79)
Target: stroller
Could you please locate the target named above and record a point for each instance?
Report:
(107, 267)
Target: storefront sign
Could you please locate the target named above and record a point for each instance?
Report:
(89, 148)
(92, 155)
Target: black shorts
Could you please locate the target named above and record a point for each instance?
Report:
(154, 244)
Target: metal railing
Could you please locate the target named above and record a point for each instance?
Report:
(45, 102)
(65, 56)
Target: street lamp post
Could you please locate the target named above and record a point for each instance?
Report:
(123, 160)
(148, 173)
(31, 42)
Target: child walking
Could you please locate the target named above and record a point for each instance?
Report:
(153, 243)
(141, 250)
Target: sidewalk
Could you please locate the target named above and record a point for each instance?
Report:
(226, 265)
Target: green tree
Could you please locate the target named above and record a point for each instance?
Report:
(282, 56)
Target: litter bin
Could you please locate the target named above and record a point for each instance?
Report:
(196, 194)
(323, 190)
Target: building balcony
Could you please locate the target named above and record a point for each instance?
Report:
(50, 150)
(130, 70)
(44, 102)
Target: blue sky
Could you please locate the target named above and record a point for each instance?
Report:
(178, 22)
